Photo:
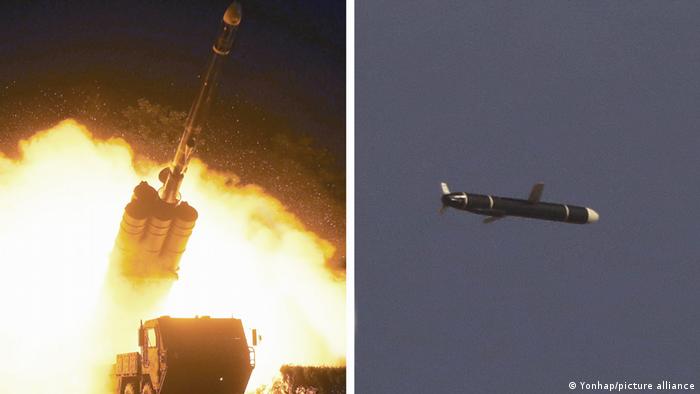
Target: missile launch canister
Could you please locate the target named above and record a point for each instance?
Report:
(156, 225)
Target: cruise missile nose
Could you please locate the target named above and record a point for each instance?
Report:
(592, 215)
(232, 18)
(233, 13)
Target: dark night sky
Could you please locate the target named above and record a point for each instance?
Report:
(280, 117)
(289, 55)
(598, 99)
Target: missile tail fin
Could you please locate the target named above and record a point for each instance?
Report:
(445, 188)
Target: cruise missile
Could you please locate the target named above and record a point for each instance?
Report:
(156, 224)
(499, 207)
(172, 177)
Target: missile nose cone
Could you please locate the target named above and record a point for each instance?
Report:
(592, 215)
(233, 14)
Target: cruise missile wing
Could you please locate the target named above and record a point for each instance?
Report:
(492, 219)
(536, 193)
(493, 215)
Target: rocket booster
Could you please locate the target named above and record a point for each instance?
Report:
(156, 225)
(499, 207)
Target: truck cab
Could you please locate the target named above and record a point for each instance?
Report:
(187, 355)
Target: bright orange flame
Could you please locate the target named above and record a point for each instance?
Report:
(248, 257)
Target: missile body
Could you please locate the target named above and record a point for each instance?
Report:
(499, 207)
(195, 119)
(156, 225)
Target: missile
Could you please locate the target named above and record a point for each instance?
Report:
(156, 225)
(499, 207)
(172, 177)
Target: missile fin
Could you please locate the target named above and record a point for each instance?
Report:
(445, 188)
(536, 193)
(492, 219)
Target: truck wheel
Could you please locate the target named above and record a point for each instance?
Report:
(147, 389)
(129, 389)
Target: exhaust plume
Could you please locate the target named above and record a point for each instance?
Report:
(248, 257)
